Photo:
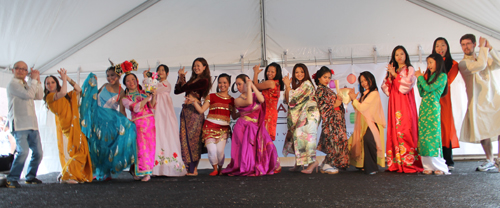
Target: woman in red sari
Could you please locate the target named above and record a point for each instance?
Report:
(402, 131)
(448, 132)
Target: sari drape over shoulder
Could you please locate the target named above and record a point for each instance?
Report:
(369, 114)
(72, 143)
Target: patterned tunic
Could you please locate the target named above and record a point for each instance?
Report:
(429, 140)
(302, 121)
(272, 96)
(333, 140)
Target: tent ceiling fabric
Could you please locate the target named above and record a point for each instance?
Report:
(37, 31)
(485, 12)
(176, 32)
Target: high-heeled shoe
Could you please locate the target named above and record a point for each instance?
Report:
(310, 168)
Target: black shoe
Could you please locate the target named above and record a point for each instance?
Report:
(13, 184)
(33, 181)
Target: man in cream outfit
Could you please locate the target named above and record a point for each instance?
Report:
(23, 123)
(481, 122)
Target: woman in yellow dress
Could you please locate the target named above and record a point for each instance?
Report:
(72, 143)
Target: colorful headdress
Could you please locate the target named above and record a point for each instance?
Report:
(125, 67)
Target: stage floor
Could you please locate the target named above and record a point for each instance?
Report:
(463, 188)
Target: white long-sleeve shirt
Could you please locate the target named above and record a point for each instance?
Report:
(21, 96)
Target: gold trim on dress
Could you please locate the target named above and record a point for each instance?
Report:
(224, 98)
(247, 118)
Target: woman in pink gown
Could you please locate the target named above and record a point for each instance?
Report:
(252, 150)
(402, 130)
(140, 105)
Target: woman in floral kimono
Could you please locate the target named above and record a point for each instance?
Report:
(303, 119)
(333, 139)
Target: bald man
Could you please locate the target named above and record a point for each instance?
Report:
(23, 123)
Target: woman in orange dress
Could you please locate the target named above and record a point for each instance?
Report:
(72, 143)
(448, 132)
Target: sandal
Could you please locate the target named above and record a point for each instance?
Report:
(438, 172)
(427, 172)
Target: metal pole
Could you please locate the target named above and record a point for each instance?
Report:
(263, 34)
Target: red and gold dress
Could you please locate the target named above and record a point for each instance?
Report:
(272, 96)
(216, 126)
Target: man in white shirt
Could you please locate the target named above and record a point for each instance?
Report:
(483, 92)
(23, 123)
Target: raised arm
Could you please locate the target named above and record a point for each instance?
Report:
(258, 94)
(407, 81)
(35, 75)
(268, 84)
(240, 102)
(64, 86)
(286, 81)
(439, 84)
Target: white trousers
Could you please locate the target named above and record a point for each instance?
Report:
(216, 153)
(434, 163)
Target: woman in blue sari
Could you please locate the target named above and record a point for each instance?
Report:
(111, 135)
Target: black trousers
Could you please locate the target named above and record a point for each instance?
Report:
(448, 155)
(370, 163)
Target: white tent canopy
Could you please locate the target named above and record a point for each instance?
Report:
(83, 34)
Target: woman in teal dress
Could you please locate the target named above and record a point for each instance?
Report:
(111, 135)
(431, 86)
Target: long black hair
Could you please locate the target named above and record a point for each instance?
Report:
(295, 82)
(393, 58)
(372, 84)
(322, 71)
(439, 69)
(448, 61)
(278, 76)
(58, 88)
(204, 75)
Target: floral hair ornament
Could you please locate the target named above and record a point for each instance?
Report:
(314, 76)
(128, 66)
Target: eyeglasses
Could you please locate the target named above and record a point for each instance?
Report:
(22, 69)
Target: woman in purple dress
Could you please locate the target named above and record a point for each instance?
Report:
(252, 150)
